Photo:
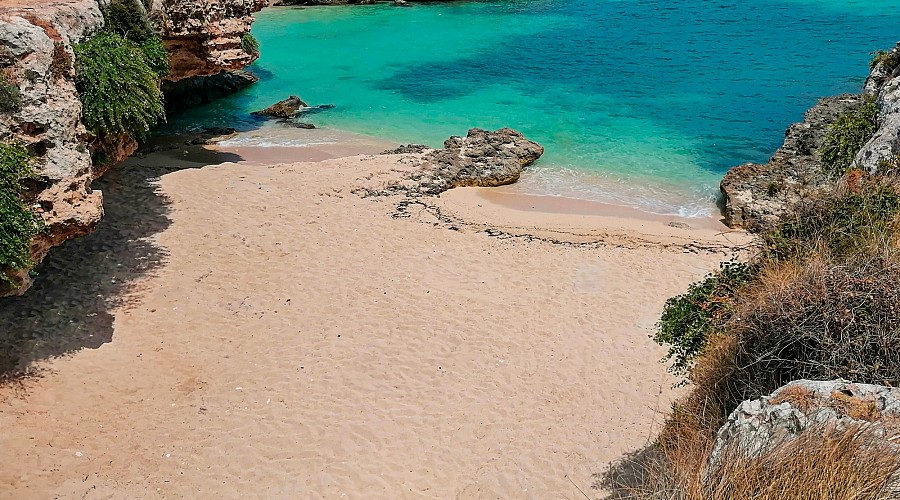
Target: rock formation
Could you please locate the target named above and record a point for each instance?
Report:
(192, 92)
(759, 194)
(36, 55)
(205, 37)
(757, 426)
(481, 158)
(287, 108)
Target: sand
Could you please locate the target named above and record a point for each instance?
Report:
(248, 330)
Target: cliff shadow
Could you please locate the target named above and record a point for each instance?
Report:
(80, 283)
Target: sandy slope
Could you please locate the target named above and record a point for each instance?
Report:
(302, 342)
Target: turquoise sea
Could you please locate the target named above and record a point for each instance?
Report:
(642, 102)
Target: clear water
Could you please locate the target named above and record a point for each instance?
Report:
(643, 102)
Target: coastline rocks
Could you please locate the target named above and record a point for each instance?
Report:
(481, 158)
(406, 149)
(758, 194)
(757, 426)
(36, 55)
(191, 92)
(883, 148)
(48, 119)
(286, 108)
(204, 38)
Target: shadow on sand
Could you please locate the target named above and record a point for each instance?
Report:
(82, 281)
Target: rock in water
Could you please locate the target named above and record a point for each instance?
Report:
(288, 108)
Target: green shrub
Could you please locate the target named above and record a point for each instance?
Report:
(127, 19)
(156, 54)
(249, 44)
(18, 224)
(10, 96)
(118, 88)
(841, 225)
(688, 320)
(847, 135)
(891, 58)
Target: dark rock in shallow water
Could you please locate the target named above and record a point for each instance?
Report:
(287, 108)
(299, 124)
(406, 149)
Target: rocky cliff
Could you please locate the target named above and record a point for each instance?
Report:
(36, 57)
(760, 193)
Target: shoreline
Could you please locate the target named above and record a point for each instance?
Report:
(324, 144)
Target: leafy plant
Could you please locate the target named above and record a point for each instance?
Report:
(688, 319)
(10, 96)
(18, 224)
(847, 135)
(118, 88)
(249, 43)
(156, 54)
(128, 19)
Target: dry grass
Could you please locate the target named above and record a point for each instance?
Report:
(798, 396)
(855, 463)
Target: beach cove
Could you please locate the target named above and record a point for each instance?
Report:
(292, 336)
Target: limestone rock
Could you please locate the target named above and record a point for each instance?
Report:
(481, 158)
(204, 37)
(192, 92)
(760, 194)
(757, 194)
(756, 426)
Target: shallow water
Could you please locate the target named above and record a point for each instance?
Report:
(645, 102)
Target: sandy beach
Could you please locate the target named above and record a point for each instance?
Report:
(259, 330)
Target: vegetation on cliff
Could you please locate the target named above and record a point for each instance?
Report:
(847, 135)
(117, 73)
(118, 88)
(817, 301)
(249, 43)
(18, 224)
(10, 96)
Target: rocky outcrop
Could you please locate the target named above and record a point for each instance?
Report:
(759, 194)
(36, 55)
(481, 158)
(205, 37)
(287, 108)
(192, 92)
(36, 51)
(757, 426)
(883, 148)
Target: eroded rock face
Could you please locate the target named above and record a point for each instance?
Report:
(758, 425)
(760, 194)
(481, 158)
(204, 37)
(36, 40)
(884, 84)
(48, 120)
